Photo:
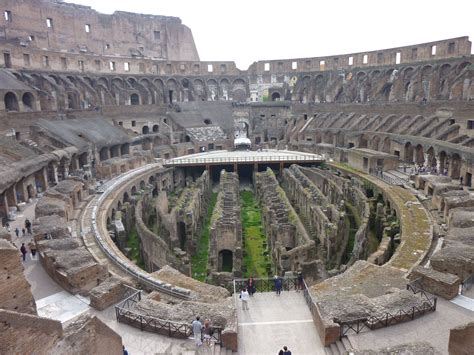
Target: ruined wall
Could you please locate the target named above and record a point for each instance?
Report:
(226, 226)
(15, 293)
(61, 26)
(288, 240)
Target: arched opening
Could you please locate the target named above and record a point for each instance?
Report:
(126, 197)
(134, 99)
(276, 96)
(72, 101)
(419, 156)
(145, 129)
(104, 154)
(431, 158)
(181, 228)
(207, 121)
(443, 162)
(133, 190)
(225, 260)
(31, 191)
(142, 185)
(29, 101)
(376, 143)
(386, 145)
(408, 156)
(114, 151)
(455, 166)
(125, 149)
(155, 128)
(187, 138)
(83, 160)
(363, 142)
(11, 102)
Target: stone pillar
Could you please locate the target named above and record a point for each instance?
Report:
(426, 162)
(438, 164)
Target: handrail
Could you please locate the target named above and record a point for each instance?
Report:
(388, 318)
(124, 314)
(267, 284)
(250, 159)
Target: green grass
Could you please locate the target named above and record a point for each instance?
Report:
(133, 242)
(199, 261)
(256, 258)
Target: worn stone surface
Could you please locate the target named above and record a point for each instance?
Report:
(438, 283)
(15, 291)
(456, 259)
(421, 348)
(109, 292)
(88, 334)
(200, 291)
(52, 226)
(461, 340)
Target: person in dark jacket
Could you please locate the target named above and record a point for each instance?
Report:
(251, 286)
(278, 285)
(23, 251)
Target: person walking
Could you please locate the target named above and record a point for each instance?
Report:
(197, 331)
(251, 286)
(278, 285)
(32, 247)
(300, 285)
(286, 351)
(23, 231)
(17, 232)
(23, 251)
(244, 296)
(208, 331)
(28, 225)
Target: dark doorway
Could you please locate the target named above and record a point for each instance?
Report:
(170, 96)
(134, 99)
(225, 260)
(7, 59)
(181, 228)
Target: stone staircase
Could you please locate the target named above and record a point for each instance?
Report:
(340, 347)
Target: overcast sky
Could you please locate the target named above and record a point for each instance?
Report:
(245, 31)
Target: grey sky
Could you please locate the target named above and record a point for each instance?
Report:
(245, 31)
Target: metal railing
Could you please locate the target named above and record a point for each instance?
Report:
(267, 284)
(248, 159)
(466, 285)
(125, 314)
(390, 318)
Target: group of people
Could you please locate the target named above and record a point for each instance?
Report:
(202, 332)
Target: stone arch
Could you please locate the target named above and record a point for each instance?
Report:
(363, 141)
(319, 86)
(104, 154)
(199, 90)
(225, 260)
(125, 149)
(455, 166)
(328, 137)
(11, 102)
(134, 99)
(172, 90)
(213, 89)
(375, 143)
(225, 88)
(239, 90)
(443, 161)
(431, 162)
(73, 101)
(126, 197)
(419, 155)
(386, 146)
(276, 96)
(408, 152)
(145, 129)
(155, 128)
(29, 101)
(133, 191)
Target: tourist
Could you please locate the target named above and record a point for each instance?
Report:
(460, 180)
(125, 352)
(280, 352)
(251, 286)
(197, 329)
(23, 251)
(17, 232)
(278, 285)
(28, 226)
(208, 331)
(23, 231)
(32, 247)
(244, 296)
(286, 351)
(7, 226)
(300, 285)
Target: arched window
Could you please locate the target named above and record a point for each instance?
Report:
(134, 99)
(29, 101)
(11, 102)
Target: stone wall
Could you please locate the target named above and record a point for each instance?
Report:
(108, 293)
(226, 226)
(15, 292)
(22, 333)
(461, 340)
(437, 283)
(287, 238)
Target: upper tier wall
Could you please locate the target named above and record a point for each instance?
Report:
(54, 25)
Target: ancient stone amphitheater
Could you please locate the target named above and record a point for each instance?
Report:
(156, 184)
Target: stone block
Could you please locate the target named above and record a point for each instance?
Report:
(461, 340)
(108, 293)
(435, 282)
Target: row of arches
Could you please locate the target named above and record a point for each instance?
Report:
(12, 101)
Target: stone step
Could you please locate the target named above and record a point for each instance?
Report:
(340, 347)
(328, 350)
(334, 349)
(347, 343)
